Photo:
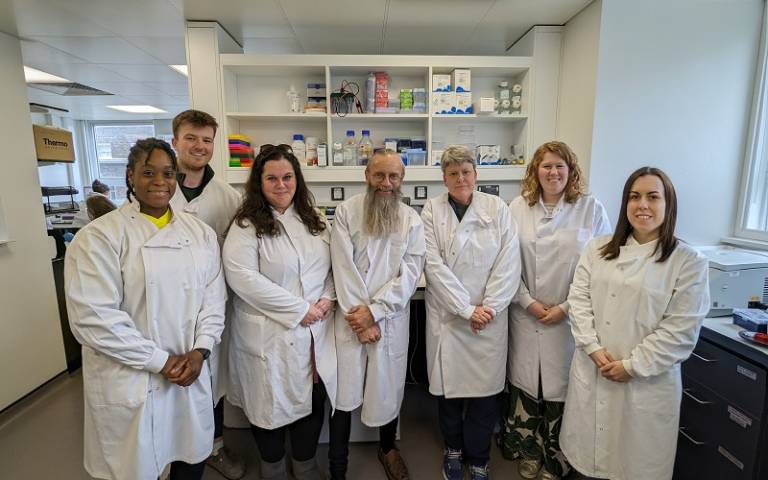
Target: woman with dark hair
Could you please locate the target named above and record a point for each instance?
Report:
(637, 302)
(556, 218)
(282, 353)
(146, 299)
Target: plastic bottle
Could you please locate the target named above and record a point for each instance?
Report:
(370, 93)
(299, 148)
(364, 148)
(294, 104)
(350, 149)
(312, 151)
(338, 154)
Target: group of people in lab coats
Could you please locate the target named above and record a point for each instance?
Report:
(584, 329)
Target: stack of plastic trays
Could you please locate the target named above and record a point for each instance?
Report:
(240, 151)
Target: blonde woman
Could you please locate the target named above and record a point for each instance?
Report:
(555, 218)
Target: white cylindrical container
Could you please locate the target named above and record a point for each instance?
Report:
(312, 151)
(299, 148)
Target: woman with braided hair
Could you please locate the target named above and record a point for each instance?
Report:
(146, 296)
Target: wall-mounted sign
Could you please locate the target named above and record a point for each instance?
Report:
(53, 144)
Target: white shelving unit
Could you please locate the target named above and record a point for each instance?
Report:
(255, 102)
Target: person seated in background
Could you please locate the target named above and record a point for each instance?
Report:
(96, 204)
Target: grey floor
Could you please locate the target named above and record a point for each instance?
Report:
(42, 438)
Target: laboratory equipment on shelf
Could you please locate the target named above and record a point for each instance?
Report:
(338, 154)
(299, 148)
(294, 103)
(350, 149)
(736, 278)
(69, 206)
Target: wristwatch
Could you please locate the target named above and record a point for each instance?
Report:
(204, 352)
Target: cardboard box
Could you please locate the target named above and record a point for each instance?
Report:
(464, 102)
(443, 102)
(487, 104)
(461, 80)
(441, 83)
(53, 144)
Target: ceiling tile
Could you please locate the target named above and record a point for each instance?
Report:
(126, 88)
(155, 18)
(405, 40)
(100, 49)
(84, 73)
(459, 15)
(169, 88)
(151, 73)
(49, 17)
(355, 40)
(338, 14)
(534, 12)
(272, 45)
(36, 53)
(168, 50)
(241, 18)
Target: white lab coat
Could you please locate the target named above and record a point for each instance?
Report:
(135, 295)
(215, 206)
(381, 272)
(275, 279)
(648, 314)
(469, 263)
(550, 246)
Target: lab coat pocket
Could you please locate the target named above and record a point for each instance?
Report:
(108, 382)
(658, 396)
(650, 309)
(253, 333)
(395, 335)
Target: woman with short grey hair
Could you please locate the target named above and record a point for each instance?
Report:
(473, 270)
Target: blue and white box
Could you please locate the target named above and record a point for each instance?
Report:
(441, 83)
(443, 103)
(464, 103)
(461, 80)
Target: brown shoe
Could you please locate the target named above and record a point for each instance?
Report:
(394, 465)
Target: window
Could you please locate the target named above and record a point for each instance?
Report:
(752, 220)
(111, 143)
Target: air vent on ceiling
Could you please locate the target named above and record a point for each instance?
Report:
(73, 89)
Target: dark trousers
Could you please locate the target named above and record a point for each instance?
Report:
(467, 424)
(338, 448)
(218, 419)
(186, 471)
(304, 433)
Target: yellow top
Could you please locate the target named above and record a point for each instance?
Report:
(162, 221)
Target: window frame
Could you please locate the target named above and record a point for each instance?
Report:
(757, 143)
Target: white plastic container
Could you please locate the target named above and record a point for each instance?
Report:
(322, 155)
(294, 102)
(299, 148)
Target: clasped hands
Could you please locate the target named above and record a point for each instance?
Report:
(480, 318)
(184, 369)
(546, 314)
(317, 312)
(361, 321)
(609, 367)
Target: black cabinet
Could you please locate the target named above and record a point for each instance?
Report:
(723, 412)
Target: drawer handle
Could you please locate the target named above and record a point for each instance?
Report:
(690, 438)
(703, 359)
(687, 393)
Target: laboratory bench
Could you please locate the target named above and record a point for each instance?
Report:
(723, 432)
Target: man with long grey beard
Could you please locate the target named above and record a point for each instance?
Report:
(377, 253)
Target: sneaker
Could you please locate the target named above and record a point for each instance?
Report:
(479, 472)
(528, 468)
(394, 465)
(453, 466)
(226, 463)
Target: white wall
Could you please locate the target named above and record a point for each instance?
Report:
(674, 87)
(31, 347)
(578, 79)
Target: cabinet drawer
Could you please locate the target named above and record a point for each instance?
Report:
(731, 433)
(737, 381)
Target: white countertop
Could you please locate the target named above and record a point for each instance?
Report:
(726, 327)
